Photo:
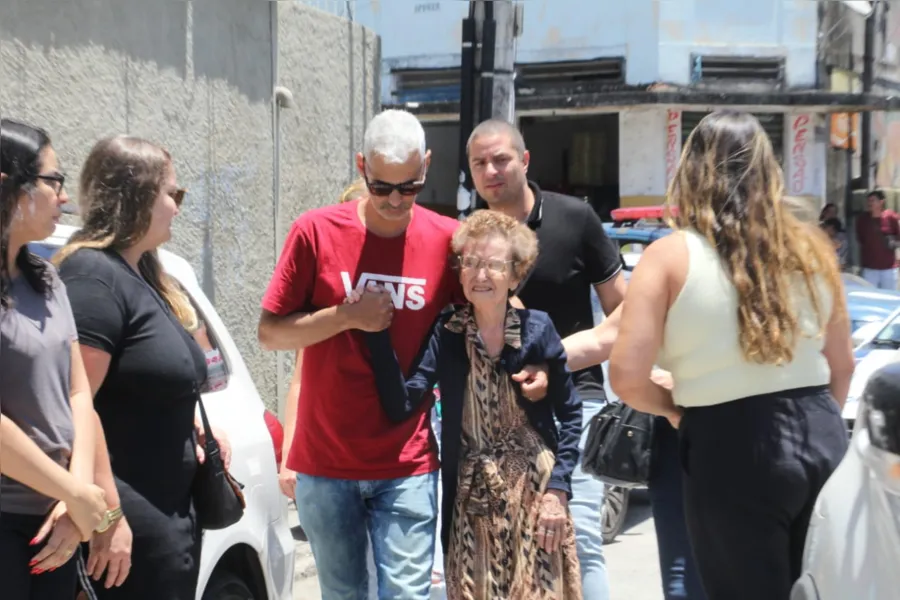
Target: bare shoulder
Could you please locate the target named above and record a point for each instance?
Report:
(666, 262)
(670, 250)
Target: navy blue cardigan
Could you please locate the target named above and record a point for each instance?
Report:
(443, 360)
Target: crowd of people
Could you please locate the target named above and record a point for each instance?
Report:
(100, 377)
(733, 331)
(362, 289)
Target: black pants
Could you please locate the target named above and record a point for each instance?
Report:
(16, 580)
(752, 471)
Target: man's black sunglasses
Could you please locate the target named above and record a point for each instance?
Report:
(382, 188)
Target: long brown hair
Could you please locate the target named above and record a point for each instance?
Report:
(729, 188)
(119, 184)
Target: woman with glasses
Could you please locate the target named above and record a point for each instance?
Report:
(49, 502)
(144, 367)
(507, 532)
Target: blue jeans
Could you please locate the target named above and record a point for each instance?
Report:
(680, 578)
(400, 516)
(587, 507)
(884, 279)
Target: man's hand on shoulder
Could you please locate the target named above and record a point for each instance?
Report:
(371, 310)
(534, 380)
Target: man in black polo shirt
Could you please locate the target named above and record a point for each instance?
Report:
(575, 255)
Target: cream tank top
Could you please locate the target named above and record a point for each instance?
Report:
(701, 346)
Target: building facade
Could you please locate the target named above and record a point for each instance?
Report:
(606, 91)
(200, 79)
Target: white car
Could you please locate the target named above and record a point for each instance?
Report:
(876, 345)
(853, 544)
(254, 558)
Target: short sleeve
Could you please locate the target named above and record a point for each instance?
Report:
(98, 312)
(602, 260)
(291, 286)
(67, 318)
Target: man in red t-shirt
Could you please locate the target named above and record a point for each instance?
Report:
(877, 232)
(358, 473)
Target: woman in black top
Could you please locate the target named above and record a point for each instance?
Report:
(47, 421)
(145, 368)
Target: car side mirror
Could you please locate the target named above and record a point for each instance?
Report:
(882, 398)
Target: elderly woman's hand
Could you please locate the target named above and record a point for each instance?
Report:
(551, 527)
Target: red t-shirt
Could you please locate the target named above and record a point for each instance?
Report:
(871, 233)
(342, 432)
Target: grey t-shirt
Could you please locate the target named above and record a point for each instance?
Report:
(36, 338)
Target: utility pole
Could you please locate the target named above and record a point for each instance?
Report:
(487, 78)
(868, 80)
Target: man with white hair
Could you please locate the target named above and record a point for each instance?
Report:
(358, 474)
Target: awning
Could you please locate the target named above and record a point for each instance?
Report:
(814, 101)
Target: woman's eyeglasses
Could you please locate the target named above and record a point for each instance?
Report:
(493, 265)
(56, 181)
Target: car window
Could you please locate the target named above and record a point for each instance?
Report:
(890, 334)
(218, 371)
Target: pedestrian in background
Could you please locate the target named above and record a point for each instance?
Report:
(744, 306)
(878, 236)
(49, 502)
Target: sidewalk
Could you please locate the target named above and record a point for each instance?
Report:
(632, 560)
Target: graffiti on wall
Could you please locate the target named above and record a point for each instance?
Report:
(673, 142)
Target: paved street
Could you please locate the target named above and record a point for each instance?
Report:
(631, 559)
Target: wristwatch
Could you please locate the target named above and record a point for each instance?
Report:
(109, 518)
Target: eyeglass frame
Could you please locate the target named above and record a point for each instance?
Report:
(59, 178)
(483, 262)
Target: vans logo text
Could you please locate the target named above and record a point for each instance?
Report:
(406, 292)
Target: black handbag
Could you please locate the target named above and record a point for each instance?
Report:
(617, 451)
(218, 499)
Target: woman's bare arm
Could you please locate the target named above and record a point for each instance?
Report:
(84, 419)
(96, 366)
(640, 334)
(593, 346)
(22, 460)
(838, 350)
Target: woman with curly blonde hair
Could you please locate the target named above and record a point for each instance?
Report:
(744, 306)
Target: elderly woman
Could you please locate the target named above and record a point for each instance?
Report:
(506, 531)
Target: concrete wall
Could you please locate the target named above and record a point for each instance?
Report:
(197, 77)
(787, 28)
(656, 37)
(642, 156)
